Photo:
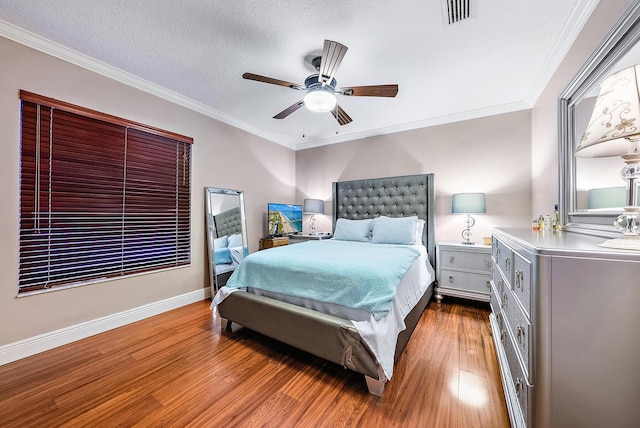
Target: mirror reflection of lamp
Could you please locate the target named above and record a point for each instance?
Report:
(468, 203)
(613, 130)
(313, 207)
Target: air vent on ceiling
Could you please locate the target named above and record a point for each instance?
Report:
(456, 10)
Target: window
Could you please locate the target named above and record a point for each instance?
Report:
(100, 196)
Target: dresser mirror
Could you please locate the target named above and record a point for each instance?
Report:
(583, 181)
(226, 233)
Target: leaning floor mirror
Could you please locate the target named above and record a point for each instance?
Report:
(226, 233)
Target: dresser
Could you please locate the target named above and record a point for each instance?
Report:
(463, 271)
(564, 317)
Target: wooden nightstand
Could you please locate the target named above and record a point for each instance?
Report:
(296, 239)
(463, 271)
(266, 243)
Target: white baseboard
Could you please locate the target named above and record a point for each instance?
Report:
(43, 342)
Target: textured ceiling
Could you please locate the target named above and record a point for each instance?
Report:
(195, 51)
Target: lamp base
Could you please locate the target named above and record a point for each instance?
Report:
(624, 243)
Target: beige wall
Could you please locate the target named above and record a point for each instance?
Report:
(223, 156)
(490, 155)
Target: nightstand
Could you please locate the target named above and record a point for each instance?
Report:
(296, 239)
(463, 271)
(266, 243)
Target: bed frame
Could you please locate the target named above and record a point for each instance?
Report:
(329, 337)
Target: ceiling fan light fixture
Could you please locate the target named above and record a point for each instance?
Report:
(320, 100)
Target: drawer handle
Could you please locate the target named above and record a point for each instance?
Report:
(489, 284)
(452, 259)
(520, 333)
(519, 279)
(507, 264)
(488, 262)
(504, 299)
(519, 386)
(450, 279)
(502, 333)
(498, 252)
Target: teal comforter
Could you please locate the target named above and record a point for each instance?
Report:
(357, 275)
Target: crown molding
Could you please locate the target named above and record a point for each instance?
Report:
(34, 41)
(441, 120)
(572, 28)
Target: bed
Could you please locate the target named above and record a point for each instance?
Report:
(336, 336)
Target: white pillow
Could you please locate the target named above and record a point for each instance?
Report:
(419, 231)
(235, 240)
(352, 230)
(220, 242)
(394, 230)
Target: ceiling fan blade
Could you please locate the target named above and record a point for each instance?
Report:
(258, 78)
(332, 55)
(370, 91)
(341, 116)
(286, 112)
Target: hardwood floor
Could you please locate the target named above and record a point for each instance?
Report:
(180, 369)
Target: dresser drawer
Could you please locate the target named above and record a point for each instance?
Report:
(498, 327)
(451, 259)
(523, 391)
(504, 259)
(517, 323)
(495, 298)
(521, 285)
(498, 280)
(470, 281)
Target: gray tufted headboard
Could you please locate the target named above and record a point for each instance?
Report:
(390, 196)
(228, 222)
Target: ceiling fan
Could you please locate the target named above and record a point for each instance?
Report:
(321, 87)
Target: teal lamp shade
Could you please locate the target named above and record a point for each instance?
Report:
(607, 197)
(468, 203)
(313, 207)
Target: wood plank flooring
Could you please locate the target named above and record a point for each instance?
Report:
(181, 369)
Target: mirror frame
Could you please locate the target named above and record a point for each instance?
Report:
(620, 39)
(208, 191)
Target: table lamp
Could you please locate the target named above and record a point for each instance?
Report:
(613, 131)
(468, 203)
(313, 207)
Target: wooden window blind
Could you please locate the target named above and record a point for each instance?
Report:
(100, 196)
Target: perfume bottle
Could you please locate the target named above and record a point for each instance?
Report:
(555, 223)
